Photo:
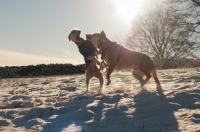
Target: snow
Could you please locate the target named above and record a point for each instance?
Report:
(58, 103)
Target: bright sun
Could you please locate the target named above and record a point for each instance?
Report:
(128, 9)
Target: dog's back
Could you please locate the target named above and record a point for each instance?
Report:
(87, 48)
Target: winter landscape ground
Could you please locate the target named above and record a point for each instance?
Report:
(58, 103)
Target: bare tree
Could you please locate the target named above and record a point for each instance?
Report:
(190, 10)
(121, 38)
(159, 34)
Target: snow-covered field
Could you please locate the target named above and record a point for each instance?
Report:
(54, 104)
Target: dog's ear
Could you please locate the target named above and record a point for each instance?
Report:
(103, 35)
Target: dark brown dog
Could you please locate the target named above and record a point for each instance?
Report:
(88, 51)
(119, 58)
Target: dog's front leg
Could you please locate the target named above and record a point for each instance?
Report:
(94, 59)
(110, 70)
(97, 51)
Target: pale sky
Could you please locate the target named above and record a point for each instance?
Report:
(36, 31)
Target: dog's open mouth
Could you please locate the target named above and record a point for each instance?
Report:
(78, 37)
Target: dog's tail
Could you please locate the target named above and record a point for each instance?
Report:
(155, 77)
(153, 73)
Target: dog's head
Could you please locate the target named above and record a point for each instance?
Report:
(74, 36)
(96, 38)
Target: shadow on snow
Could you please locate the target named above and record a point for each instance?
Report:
(145, 111)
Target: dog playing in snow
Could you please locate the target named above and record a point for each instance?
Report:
(119, 58)
(89, 53)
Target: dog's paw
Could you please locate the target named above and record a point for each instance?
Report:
(87, 91)
(108, 82)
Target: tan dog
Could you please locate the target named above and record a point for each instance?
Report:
(89, 53)
(120, 58)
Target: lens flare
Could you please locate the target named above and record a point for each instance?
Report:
(128, 9)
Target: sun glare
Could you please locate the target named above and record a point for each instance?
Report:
(128, 9)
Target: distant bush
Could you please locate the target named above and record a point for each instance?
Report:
(41, 70)
(178, 63)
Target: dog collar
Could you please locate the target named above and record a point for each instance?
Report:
(105, 50)
(79, 43)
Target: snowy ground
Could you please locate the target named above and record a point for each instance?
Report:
(54, 104)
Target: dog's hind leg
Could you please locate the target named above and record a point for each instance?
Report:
(101, 80)
(110, 70)
(88, 77)
(138, 76)
(148, 76)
